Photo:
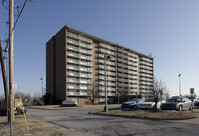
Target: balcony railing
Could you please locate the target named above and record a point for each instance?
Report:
(146, 59)
(133, 55)
(107, 51)
(79, 43)
(106, 46)
(79, 37)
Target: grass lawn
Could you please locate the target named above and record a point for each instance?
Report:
(36, 127)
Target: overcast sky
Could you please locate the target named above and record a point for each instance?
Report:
(168, 29)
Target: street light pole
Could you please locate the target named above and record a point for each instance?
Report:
(179, 84)
(41, 88)
(106, 57)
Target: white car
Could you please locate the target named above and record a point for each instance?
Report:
(68, 102)
(149, 104)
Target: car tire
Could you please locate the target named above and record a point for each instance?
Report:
(180, 108)
(191, 107)
(135, 107)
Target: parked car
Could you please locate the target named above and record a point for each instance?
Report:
(196, 103)
(193, 98)
(149, 104)
(68, 102)
(178, 103)
(131, 104)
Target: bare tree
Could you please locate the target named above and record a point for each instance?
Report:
(2, 97)
(160, 88)
(94, 93)
(124, 96)
(25, 96)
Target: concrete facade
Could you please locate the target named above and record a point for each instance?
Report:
(75, 69)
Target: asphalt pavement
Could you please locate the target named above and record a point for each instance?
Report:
(81, 123)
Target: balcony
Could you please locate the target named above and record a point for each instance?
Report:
(146, 67)
(147, 59)
(144, 79)
(73, 35)
(125, 85)
(107, 51)
(85, 75)
(121, 75)
(106, 46)
(84, 87)
(73, 61)
(146, 75)
(120, 70)
(84, 93)
(146, 63)
(110, 84)
(85, 81)
(71, 92)
(85, 63)
(72, 67)
(133, 55)
(111, 78)
(85, 69)
(85, 51)
(133, 90)
(72, 87)
(133, 77)
(120, 65)
(120, 60)
(72, 54)
(123, 51)
(133, 81)
(125, 66)
(108, 93)
(82, 44)
(72, 48)
(111, 63)
(85, 57)
(72, 74)
(146, 71)
(133, 86)
(72, 81)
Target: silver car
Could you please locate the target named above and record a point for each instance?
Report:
(177, 103)
(149, 104)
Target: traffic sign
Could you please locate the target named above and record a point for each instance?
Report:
(191, 90)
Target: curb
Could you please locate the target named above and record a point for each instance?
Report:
(138, 117)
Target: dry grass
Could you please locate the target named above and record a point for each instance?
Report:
(36, 128)
(146, 114)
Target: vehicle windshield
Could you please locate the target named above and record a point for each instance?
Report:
(150, 100)
(175, 100)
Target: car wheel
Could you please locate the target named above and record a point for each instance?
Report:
(180, 108)
(191, 107)
(135, 107)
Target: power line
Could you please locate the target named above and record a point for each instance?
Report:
(3, 1)
(16, 19)
(19, 15)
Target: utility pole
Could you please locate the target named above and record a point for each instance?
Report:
(11, 64)
(180, 85)
(4, 78)
(42, 89)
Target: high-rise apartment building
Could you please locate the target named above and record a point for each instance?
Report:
(75, 69)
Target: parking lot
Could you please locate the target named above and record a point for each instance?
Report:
(84, 124)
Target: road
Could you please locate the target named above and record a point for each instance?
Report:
(84, 124)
